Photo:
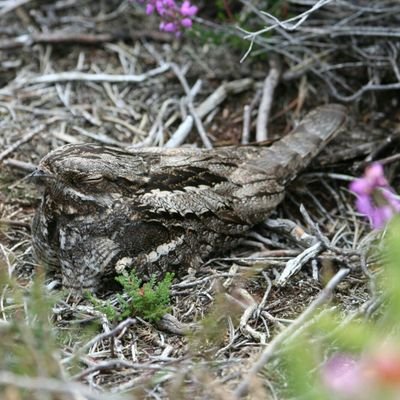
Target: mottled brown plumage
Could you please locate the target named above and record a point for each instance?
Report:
(156, 210)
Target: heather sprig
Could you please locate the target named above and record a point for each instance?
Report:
(375, 197)
(174, 16)
(150, 300)
(366, 376)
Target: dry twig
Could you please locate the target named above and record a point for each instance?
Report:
(70, 76)
(270, 83)
(28, 136)
(269, 351)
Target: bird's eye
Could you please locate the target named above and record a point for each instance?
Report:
(92, 179)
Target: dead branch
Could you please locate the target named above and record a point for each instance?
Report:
(362, 31)
(270, 83)
(324, 296)
(70, 76)
(28, 136)
(53, 385)
(189, 99)
(11, 5)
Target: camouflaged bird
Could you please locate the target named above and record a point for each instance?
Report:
(156, 210)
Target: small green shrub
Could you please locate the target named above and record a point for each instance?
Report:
(149, 301)
(103, 306)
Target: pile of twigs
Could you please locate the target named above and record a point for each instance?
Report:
(351, 46)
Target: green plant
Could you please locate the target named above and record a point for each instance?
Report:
(357, 358)
(103, 306)
(149, 301)
(28, 343)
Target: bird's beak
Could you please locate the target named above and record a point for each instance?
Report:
(39, 176)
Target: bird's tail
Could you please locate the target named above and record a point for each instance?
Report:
(290, 155)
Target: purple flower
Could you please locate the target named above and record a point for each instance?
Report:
(173, 17)
(149, 9)
(343, 375)
(187, 9)
(168, 27)
(370, 376)
(375, 198)
(186, 22)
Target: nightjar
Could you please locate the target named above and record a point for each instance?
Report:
(104, 209)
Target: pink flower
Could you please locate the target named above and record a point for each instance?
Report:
(342, 374)
(173, 17)
(188, 10)
(373, 177)
(375, 198)
(150, 9)
(186, 22)
(168, 27)
(368, 377)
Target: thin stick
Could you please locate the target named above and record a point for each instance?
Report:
(287, 24)
(181, 133)
(323, 297)
(53, 385)
(124, 324)
(246, 124)
(69, 76)
(189, 99)
(21, 141)
(18, 164)
(12, 5)
(270, 83)
(221, 93)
